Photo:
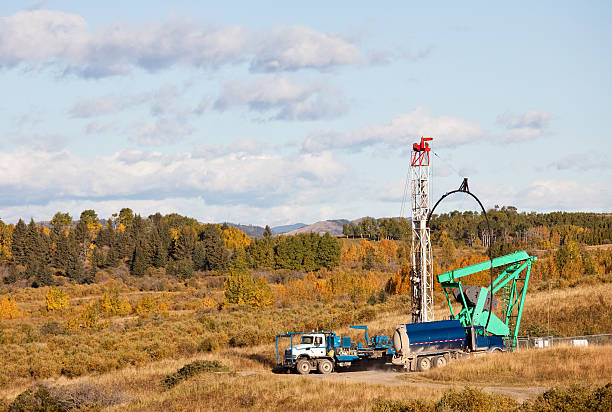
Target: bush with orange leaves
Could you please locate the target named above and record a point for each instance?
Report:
(369, 254)
(399, 283)
(356, 285)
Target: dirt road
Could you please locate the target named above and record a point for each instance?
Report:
(390, 378)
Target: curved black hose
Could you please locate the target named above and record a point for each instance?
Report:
(464, 189)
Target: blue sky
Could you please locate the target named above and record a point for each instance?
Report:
(264, 113)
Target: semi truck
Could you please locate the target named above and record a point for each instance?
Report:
(414, 347)
(325, 351)
(420, 346)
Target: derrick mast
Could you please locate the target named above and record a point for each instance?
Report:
(421, 271)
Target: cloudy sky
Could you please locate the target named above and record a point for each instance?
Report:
(264, 113)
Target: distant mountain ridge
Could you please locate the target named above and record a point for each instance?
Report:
(249, 230)
(287, 228)
(333, 227)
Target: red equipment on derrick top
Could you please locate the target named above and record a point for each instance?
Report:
(420, 152)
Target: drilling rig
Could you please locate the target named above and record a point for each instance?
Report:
(421, 264)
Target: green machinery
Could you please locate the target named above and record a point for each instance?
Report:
(476, 300)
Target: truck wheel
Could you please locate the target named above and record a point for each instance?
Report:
(325, 366)
(303, 366)
(423, 364)
(439, 362)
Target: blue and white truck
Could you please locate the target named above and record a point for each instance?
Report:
(414, 347)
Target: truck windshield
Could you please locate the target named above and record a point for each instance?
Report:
(307, 339)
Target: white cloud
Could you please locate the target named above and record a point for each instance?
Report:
(286, 99)
(160, 102)
(163, 131)
(550, 195)
(584, 161)
(37, 38)
(232, 176)
(297, 47)
(524, 126)
(399, 134)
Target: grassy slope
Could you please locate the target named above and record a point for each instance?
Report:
(573, 311)
(544, 367)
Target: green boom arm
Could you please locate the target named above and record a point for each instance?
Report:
(512, 283)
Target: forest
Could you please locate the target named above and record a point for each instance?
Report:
(34, 254)
(40, 254)
(507, 226)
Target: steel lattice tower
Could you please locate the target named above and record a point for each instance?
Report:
(421, 271)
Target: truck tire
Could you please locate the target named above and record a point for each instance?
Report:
(439, 362)
(303, 366)
(424, 364)
(325, 366)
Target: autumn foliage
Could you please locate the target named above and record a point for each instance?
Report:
(56, 299)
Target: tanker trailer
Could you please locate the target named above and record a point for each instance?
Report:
(419, 346)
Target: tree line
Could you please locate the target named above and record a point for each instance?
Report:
(178, 244)
(541, 230)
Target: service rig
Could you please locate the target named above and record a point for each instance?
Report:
(423, 343)
(419, 346)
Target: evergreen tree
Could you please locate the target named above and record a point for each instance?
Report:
(159, 253)
(59, 252)
(82, 238)
(216, 256)
(39, 272)
(184, 244)
(139, 263)
(74, 262)
(200, 260)
(238, 261)
(106, 235)
(328, 252)
(33, 242)
(112, 258)
(267, 232)
(19, 243)
(182, 269)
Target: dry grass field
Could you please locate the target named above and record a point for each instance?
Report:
(121, 358)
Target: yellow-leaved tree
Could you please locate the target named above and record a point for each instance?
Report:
(56, 299)
(148, 304)
(234, 238)
(9, 308)
(241, 288)
(112, 303)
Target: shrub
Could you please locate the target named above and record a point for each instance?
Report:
(112, 303)
(149, 304)
(573, 398)
(9, 309)
(182, 269)
(466, 400)
(385, 405)
(56, 299)
(475, 400)
(52, 328)
(87, 319)
(37, 398)
(241, 288)
(213, 342)
(85, 396)
(192, 369)
(81, 396)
